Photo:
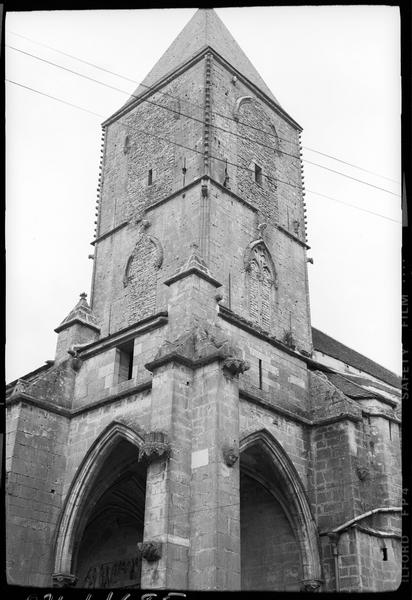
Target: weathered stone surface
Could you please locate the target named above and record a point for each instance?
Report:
(198, 332)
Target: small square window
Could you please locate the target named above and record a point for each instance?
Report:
(258, 174)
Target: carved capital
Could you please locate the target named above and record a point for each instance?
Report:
(150, 551)
(311, 585)
(63, 580)
(230, 455)
(235, 366)
(154, 447)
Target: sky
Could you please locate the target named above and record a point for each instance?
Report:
(334, 69)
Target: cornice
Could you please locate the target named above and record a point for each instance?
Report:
(193, 271)
(147, 324)
(109, 233)
(293, 237)
(67, 324)
(255, 398)
(239, 321)
(23, 398)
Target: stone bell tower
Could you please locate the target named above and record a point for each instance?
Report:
(202, 154)
(181, 450)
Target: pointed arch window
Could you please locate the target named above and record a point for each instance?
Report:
(262, 283)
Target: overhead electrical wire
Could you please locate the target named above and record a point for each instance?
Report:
(194, 118)
(198, 106)
(193, 149)
(224, 160)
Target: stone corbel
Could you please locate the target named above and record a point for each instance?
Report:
(154, 447)
(63, 580)
(150, 551)
(311, 585)
(235, 366)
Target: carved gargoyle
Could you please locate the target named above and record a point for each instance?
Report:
(362, 472)
(235, 366)
(150, 551)
(154, 447)
(230, 454)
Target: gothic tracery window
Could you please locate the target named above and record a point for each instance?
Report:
(261, 286)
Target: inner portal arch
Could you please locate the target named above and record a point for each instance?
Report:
(279, 542)
(103, 518)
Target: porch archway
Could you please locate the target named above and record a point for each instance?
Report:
(279, 542)
(103, 516)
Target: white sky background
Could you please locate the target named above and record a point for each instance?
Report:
(335, 70)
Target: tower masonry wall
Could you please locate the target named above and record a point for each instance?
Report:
(284, 378)
(99, 374)
(247, 131)
(256, 132)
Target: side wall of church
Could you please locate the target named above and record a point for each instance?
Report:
(35, 475)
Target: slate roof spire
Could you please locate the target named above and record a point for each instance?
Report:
(81, 313)
(205, 29)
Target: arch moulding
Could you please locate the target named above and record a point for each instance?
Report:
(296, 495)
(248, 256)
(80, 487)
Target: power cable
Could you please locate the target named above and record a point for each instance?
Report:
(371, 212)
(348, 163)
(177, 112)
(349, 177)
(198, 106)
(195, 119)
(188, 148)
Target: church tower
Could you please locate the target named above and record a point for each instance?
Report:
(185, 416)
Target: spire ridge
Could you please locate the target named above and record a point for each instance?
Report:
(205, 29)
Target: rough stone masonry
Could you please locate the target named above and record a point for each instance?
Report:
(189, 435)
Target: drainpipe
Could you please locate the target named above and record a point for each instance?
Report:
(335, 533)
(364, 515)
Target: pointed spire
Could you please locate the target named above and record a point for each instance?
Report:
(205, 29)
(81, 313)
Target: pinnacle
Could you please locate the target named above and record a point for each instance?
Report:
(195, 260)
(81, 312)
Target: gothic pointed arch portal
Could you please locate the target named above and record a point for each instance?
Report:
(103, 516)
(279, 542)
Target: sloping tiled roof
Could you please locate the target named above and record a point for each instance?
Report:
(324, 343)
(204, 29)
(360, 387)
